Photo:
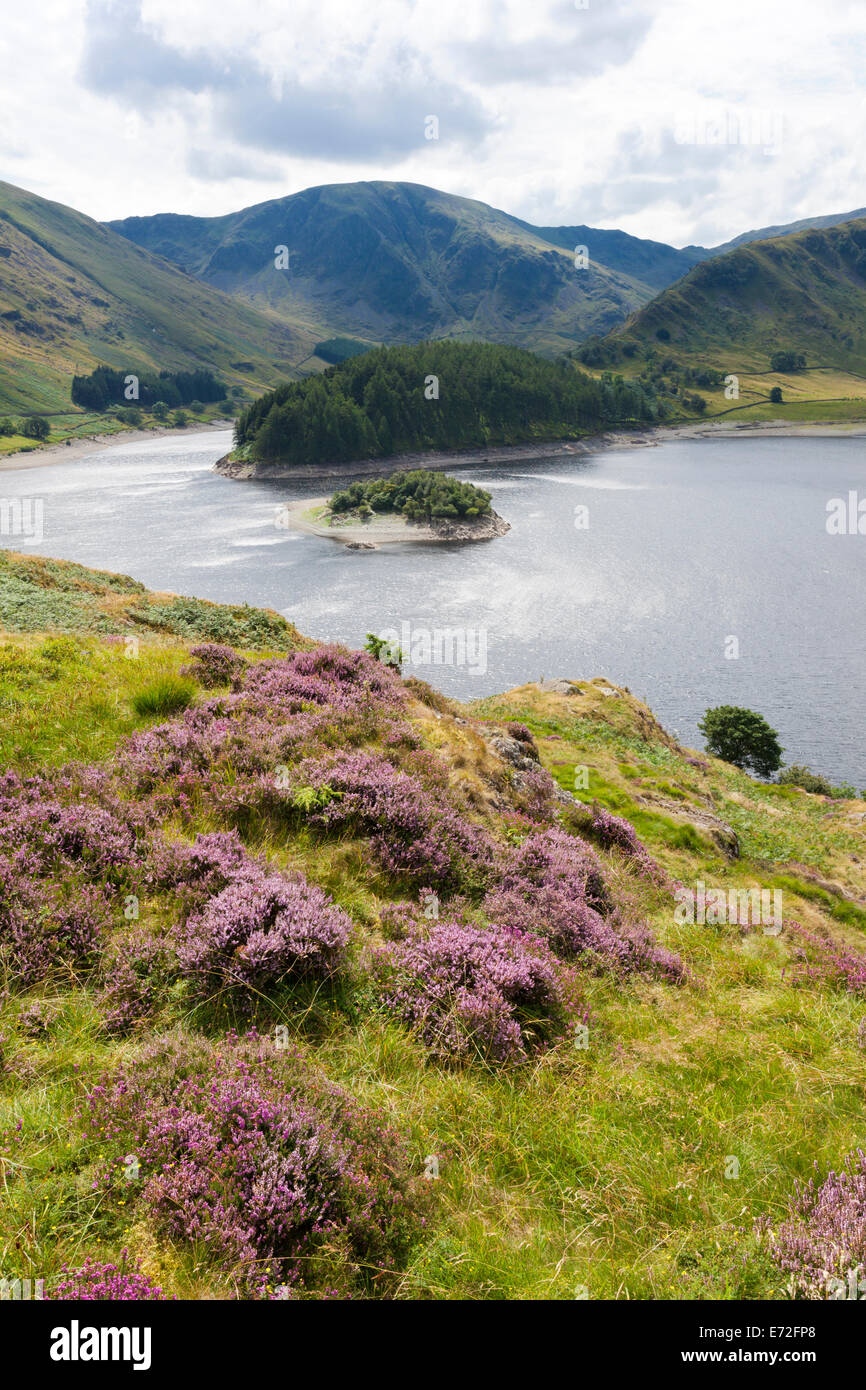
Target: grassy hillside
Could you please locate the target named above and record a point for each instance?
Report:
(832, 219)
(398, 262)
(74, 294)
(805, 293)
(433, 1107)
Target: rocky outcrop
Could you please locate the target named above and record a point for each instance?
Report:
(486, 528)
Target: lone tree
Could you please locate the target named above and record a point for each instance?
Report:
(776, 395)
(743, 738)
(386, 652)
(34, 427)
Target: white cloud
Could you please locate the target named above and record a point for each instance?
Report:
(556, 113)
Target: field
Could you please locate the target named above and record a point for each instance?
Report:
(601, 1170)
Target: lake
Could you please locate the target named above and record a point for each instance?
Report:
(697, 572)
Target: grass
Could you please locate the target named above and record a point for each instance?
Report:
(166, 695)
(599, 1168)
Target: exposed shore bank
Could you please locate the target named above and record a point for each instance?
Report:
(44, 454)
(512, 453)
(311, 514)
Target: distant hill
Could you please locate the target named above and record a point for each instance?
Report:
(399, 262)
(804, 292)
(379, 262)
(74, 294)
(771, 233)
(651, 263)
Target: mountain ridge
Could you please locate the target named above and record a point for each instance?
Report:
(74, 294)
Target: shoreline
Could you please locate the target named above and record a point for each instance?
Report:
(386, 529)
(643, 437)
(44, 455)
(646, 436)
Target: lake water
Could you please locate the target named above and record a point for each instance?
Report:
(686, 546)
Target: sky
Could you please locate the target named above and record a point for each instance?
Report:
(688, 121)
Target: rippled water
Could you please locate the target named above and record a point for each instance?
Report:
(688, 544)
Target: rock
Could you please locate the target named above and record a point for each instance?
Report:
(484, 529)
(559, 687)
(515, 751)
(724, 835)
(361, 545)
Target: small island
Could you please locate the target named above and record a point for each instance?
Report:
(420, 505)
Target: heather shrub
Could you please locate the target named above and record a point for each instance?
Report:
(328, 676)
(261, 929)
(36, 1019)
(536, 792)
(51, 927)
(553, 887)
(39, 834)
(282, 1178)
(396, 920)
(215, 665)
(414, 832)
(471, 992)
(196, 871)
(821, 960)
(823, 1235)
(521, 733)
(102, 1281)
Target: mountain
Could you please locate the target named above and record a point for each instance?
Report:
(399, 262)
(74, 294)
(804, 292)
(652, 263)
(704, 253)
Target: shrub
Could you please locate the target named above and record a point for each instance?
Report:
(553, 887)
(470, 992)
(820, 960)
(34, 427)
(257, 1162)
(824, 1233)
(414, 831)
(136, 964)
(214, 665)
(787, 362)
(799, 776)
(261, 928)
(99, 1281)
